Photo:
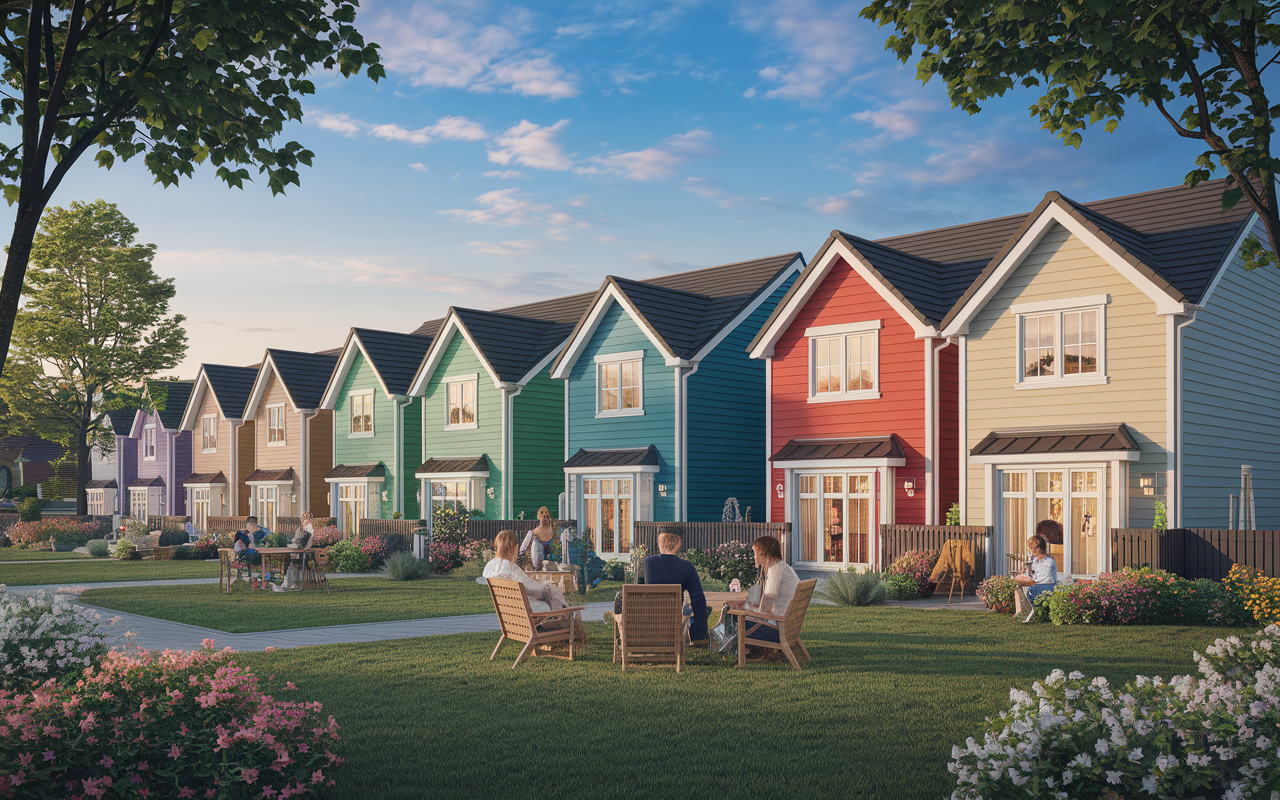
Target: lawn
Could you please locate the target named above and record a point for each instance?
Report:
(874, 715)
(350, 600)
(14, 554)
(104, 569)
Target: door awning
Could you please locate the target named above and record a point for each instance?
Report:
(630, 459)
(1061, 443)
(877, 447)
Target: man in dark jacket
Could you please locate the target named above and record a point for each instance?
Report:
(667, 567)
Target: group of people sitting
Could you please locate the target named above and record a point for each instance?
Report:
(247, 539)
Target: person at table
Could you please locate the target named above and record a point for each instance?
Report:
(299, 541)
(256, 534)
(503, 565)
(780, 582)
(667, 567)
(1042, 571)
(539, 539)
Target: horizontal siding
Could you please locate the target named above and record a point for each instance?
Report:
(1061, 266)
(246, 456)
(277, 457)
(219, 461)
(538, 457)
(412, 445)
(376, 449)
(1231, 398)
(320, 431)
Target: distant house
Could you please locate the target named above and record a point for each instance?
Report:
(664, 410)
(163, 452)
(44, 465)
(293, 435)
(222, 442)
(106, 494)
(377, 429)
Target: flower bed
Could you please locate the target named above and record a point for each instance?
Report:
(44, 636)
(911, 570)
(1142, 597)
(1207, 736)
(997, 593)
(164, 725)
(42, 532)
(724, 563)
(1259, 594)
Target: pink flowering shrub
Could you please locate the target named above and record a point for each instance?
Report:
(445, 557)
(327, 536)
(41, 532)
(163, 725)
(375, 548)
(916, 565)
(1143, 596)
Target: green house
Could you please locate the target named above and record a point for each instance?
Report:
(492, 419)
(377, 427)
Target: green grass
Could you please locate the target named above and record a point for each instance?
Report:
(103, 569)
(350, 600)
(874, 715)
(14, 554)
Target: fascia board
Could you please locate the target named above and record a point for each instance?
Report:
(452, 324)
(1229, 257)
(189, 415)
(330, 399)
(591, 321)
(138, 417)
(449, 476)
(267, 369)
(1094, 457)
(840, 463)
(750, 308)
(618, 470)
(543, 363)
(782, 317)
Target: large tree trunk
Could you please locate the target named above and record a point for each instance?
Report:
(15, 271)
(84, 469)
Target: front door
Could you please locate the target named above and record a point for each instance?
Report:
(138, 504)
(1075, 498)
(607, 505)
(200, 509)
(837, 518)
(351, 506)
(268, 507)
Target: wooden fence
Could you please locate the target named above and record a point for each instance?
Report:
(706, 535)
(1196, 552)
(898, 539)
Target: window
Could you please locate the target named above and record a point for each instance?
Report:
(451, 494)
(268, 506)
(361, 414)
(209, 434)
(844, 362)
(200, 509)
(138, 504)
(352, 502)
(619, 382)
(1062, 344)
(96, 498)
(1072, 497)
(607, 505)
(275, 425)
(149, 443)
(836, 518)
(460, 403)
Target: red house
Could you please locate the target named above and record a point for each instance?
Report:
(862, 396)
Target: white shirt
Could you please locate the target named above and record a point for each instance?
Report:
(780, 584)
(506, 570)
(1044, 570)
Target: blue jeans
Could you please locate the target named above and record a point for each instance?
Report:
(764, 633)
(1038, 589)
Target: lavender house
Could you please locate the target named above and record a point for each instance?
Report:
(162, 451)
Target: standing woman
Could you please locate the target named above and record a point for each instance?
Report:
(540, 538)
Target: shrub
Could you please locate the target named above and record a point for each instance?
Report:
(172, 537)
(43, 637)
(1191, 736)
(406, 567)
(74, 534)
(917, 565)
(185, 553)
(29, 510)
(953, 515)
(614, 570)
(346, 556)
(444, 557)
(136, 529)
(635, 563)
(724, 563)
(124, 549)
(99, 548)
(449, 525)
(376, 549)
(1142, 596)
(327, 536)
(997, 593)
(46, 531)
(206, 547)
(853, 589)
(901, 587)
(276, 540)
(713, 585)
(21, 492)
(169, 725)
(1259, 594)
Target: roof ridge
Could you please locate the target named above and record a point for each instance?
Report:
(849, 237)
(619, 279)
(504, 314)
(790, 256)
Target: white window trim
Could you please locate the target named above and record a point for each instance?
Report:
(473, 377)
(155, 447)
(214, 449)
(618, 358)
(284, 426)
(1021, 311)
(372, 416)
(827, 331)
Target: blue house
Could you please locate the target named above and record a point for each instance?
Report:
(664, 409)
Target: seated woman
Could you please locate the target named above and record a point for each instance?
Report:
(540, 539)
(542, 596)
(1042, 571)
(780, 582)
(299, 541)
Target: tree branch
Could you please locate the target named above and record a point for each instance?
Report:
(58, 82)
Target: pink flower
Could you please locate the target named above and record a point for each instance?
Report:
(267, 791)
(107, 761)
(174, 751)
(317, 776)
(186, 792)
(48, 755)
(249, 775)
(24, 759)
(269, 650)
(207, 644)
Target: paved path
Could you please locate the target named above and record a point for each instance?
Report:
(76, 588)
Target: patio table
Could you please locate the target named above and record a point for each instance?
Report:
(267, 552)
(718, 600)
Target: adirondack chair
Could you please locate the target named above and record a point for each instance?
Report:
(789, 626)
(518, 623)
(230, 570)
(955, 566)
(651, 626)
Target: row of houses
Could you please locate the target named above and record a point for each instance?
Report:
(1081, 362)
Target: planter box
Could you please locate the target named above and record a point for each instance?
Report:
(64, 548)
(163, 553)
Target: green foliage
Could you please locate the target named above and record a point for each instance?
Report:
(396, 515)
(901, 587)
(29, 510)
(918, 566)
(20, 492)
(997, 593)
(449, 525)
(853, 589)
(725, 562)
(1094, 58)
(124, 549)
(74, 534)
(276, 540)
(99, 548)
(172, 537)
(406, 567)
(615, 570)
(346, 556)
(953, 515)
(1162, 517)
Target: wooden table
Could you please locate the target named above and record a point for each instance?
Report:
(718, 600)
(566, 581)
(265, 552)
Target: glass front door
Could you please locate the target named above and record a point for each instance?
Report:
(1074, 498)
(837, 518)
(268, 507)
(351, 506)
(138, 504)
(607, 514)
(200, 509)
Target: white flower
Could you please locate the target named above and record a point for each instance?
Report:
(1114, 776)
(1149, 784)
(1135, 754)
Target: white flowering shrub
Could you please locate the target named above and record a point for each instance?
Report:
(43, 637)
(1209, 736)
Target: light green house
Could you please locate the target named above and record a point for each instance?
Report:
(377, 427)
(492, 419)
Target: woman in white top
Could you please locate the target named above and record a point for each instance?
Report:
(780, 582)
(1042, 572)
(540, 538)
(299, 542)
(542, 596)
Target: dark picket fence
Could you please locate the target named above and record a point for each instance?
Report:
(390, 527)
(898, 539)
(1196, 552)
(706, 535)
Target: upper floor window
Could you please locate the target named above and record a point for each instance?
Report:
(361, 414)
(1061, 341)
(460, 400)
(844, 361)
(275, 425)
(149, 442)
(209, 434)
(620, 384)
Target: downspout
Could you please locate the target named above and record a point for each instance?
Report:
(683, 373)
(935, 403)
(962, 370)
(509, 393)
(232, 504)
(768, 440)
(1176, 485)
(171, 502)
(930, 434)
(397, 456)
(304, 456)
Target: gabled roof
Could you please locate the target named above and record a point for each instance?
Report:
(231, 385)
(303, 375)
(357, 471)
(102, 484)
(1063, 439)
(212, 478)
(272, 476)
(174, 403)
(822, 449)
(511, 344)
(122, 420)
(138, 483)
(440, 466)
(394, 358)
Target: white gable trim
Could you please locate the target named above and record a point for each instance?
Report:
(452, 325)
(330, 399)
(134, 430)
(1230, 256)
(797, 301)
(578, 343)
(1056, 212)
(797, 264)
(267, 369)
(192, 412)
(543, 363)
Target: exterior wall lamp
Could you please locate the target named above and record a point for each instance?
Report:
(909, 486)
(781, 490)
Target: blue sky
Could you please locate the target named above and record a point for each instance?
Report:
(518, 152)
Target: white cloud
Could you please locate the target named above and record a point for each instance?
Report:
(606, 239)
(899, 120)
(826, 45)
(452, 128)
(505, 174)
(956, 162)
(507, 208)
(440, 49)
(419, 167)
(531, 145)
(338, 123)
(509, 249)
(703, 187)
(654, 163)
(833, 204)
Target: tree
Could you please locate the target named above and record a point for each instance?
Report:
(95, 325)
(179, 82)
(1092, 58)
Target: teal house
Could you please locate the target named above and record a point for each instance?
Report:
(492, 418)
(664, 409)
(377, 427)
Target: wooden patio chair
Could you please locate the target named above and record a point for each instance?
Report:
(230, 570)
(789, 626)
(955, 566)
(518, 623)
(315, 564)
(651, 626)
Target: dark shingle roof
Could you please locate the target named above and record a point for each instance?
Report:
(305, 375)
(107, 484)
(628, 457)
(205, 477)
(232, 386)
(512, 344)
(395, 356)
(272, 475)
(447, 465)
(170, 400)
(138, 483)
(863, 447)
(122, 420)
(1072, 439)
(357, 471)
